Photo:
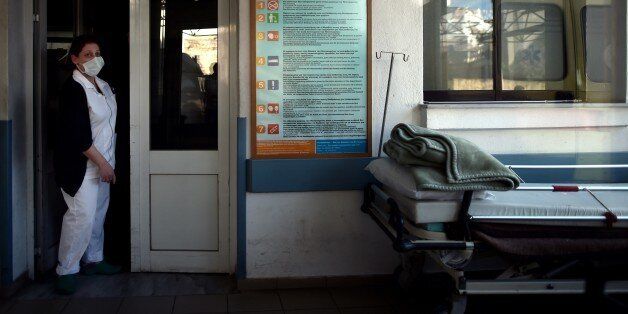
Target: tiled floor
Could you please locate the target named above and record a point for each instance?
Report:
(190, 293)
(184, 293)
(304, 301)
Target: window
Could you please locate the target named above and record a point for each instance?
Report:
(184, 75)
(524, 50)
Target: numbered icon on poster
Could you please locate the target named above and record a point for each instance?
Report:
(261, 35)
(261, 129)
(273, 35)
(261, 61)
(261, 85)
(261, 18)
(273, 5)
(261, 108)
(273, 18)
(260, 5)
(273, 129)
(273, 61)
(273, 108)
(273, 84)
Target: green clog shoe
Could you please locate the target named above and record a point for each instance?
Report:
(101, 268)
(66, 284)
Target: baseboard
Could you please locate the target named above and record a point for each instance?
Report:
(19, 283)
(313, 282)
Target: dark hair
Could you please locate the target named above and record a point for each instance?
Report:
(79, 42)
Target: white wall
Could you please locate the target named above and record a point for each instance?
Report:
(325, 233)
(519, 128)
(20, 103)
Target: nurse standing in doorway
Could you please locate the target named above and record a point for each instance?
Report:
(84, 164)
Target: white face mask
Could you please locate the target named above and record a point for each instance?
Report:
(93, 66)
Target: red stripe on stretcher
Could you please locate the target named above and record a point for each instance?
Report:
(566, 188)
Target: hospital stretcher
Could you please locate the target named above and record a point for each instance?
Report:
(533, 240)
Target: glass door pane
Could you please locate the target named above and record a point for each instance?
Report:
(184, 75)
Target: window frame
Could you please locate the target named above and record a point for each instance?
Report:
(498, 94)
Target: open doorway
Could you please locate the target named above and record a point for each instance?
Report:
(60, 21)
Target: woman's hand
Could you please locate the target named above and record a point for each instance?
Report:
(106, 173)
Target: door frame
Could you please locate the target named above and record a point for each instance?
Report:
(139, 44)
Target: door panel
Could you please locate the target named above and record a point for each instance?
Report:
(185, 218)
(189, 162)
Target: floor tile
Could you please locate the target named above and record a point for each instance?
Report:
(258, 312)
(358, 281)
(5, 305)
(200, 304)
(257, 284)
(40, 291)
(177, 284)
(38, 306)
(300, 299)
(93, 306)
(216, 284)
(370, 310)
(318, 311)
(301, 283)
(147, 305)
(359, 297)
(101, 286)
(254, 301)
(140, 285)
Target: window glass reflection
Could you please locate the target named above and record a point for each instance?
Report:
(532, 45)
(459, 39)
(184, 75)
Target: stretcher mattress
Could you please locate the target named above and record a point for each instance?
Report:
(397, 178)
(523, 206)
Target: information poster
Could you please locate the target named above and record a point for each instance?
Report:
(311, 78)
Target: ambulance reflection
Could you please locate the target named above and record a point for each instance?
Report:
(199, 93)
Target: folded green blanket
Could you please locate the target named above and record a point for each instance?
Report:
(444, 162)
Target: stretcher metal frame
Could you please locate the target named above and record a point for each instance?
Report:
(392, 223)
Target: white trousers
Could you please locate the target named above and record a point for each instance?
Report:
(82, 233)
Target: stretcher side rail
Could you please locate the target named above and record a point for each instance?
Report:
(397, 233)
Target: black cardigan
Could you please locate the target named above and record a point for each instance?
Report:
(74, 136)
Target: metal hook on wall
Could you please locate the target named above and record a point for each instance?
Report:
(405, 58)
(378, 55)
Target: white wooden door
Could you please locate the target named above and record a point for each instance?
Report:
(183, 133)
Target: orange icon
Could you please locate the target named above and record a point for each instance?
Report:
(261, 35)
(261, 61)
(273, 35)
(261, 85)
(273, 5)
(273, 108)
(261, 129)
(261, 18)
(273, 129)
(260, 5)
(261, 108)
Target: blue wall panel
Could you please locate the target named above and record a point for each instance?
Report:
(295, 175)
(6, 230)
(241, 213)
